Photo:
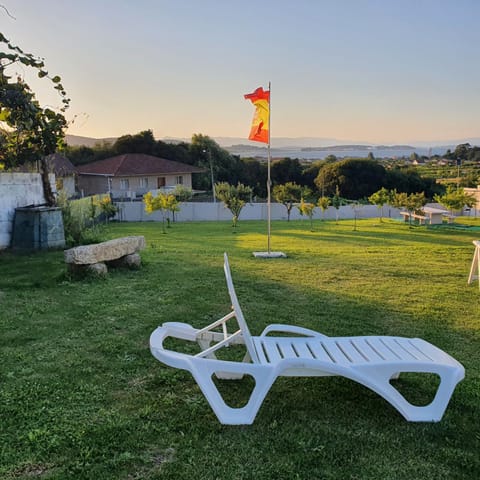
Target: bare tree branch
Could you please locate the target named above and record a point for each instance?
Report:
(7, 12)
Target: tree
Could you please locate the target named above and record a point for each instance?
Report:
(355, 206)
(355, 177)
(307, 209)
(173, 206)
(310, 173)
(143, 142)
(408, 180)
(178, 152)
(286, 170)
(412, 203)
(81, 154)
(233, 197)
(28, 131)
(323, 203)
(288, 194)
(455, 199)
(163, 202)
(461, 151)
(182, 194)
(336, 203)
(330, 158)
(380, 198)
(206, 150)
(219, 164)
(471, 179)
(107, 208)
(254, 174)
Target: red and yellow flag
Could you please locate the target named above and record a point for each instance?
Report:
(261, 118)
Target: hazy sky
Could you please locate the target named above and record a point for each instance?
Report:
(383, 71)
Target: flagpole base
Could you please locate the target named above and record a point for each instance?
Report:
(269, 255)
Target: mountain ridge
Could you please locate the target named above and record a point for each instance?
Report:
(320, 143)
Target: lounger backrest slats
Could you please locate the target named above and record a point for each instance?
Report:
(286, 348)
(302, 350)
(351, 350)
(271, 351)
(347, 351)
(318, 350)
(238, 313)
(377, 348)
(403, 349)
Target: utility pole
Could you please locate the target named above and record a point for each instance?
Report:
(459, 161)
(209, 154)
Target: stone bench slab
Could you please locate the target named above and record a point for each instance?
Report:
(105, 251)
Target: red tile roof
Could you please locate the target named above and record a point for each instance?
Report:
(131, 164)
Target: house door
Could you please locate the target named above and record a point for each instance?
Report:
(160, 182)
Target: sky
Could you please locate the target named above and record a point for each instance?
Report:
(375, 71)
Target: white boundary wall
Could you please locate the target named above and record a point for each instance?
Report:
(200, 211)
(18, 190)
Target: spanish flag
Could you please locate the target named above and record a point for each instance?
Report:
(261, 118)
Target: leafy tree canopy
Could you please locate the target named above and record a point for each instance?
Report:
(355, 178)
(455, 199)
(286, 170)
(288, 194)
(142, 142)
(254, 174)
(28, 131)
(233, 197)
(412, 202)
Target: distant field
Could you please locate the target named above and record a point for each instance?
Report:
(81, 397)
(449, 173)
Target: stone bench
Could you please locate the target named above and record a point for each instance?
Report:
(421, 218)
(114, 253)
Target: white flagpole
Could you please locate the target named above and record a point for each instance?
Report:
(268, 168)
(269, 253)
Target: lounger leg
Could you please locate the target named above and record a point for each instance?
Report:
(264, 378)
(433, 412)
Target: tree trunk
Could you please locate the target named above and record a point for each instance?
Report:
(47, 188)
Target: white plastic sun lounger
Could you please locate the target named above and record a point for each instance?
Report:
(371, 361)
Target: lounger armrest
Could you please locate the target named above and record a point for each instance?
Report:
(277, 327)
(180, 330)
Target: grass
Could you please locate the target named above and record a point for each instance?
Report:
(81, 397)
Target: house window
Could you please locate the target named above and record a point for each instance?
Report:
(179, 180)
(161, 182)
(144, 182)
(124, 185)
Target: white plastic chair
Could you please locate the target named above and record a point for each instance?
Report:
(371, 361)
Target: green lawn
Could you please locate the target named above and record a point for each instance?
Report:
(81, 397)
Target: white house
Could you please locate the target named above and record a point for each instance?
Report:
(133, 174)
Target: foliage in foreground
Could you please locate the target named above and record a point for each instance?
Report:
(28, 131)
(81, 396)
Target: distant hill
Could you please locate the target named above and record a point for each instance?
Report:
(345, 148)
(76, 141)
(298, 143)
(277, 142)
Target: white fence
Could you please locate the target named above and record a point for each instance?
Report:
(194, 212)
(18, 190)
